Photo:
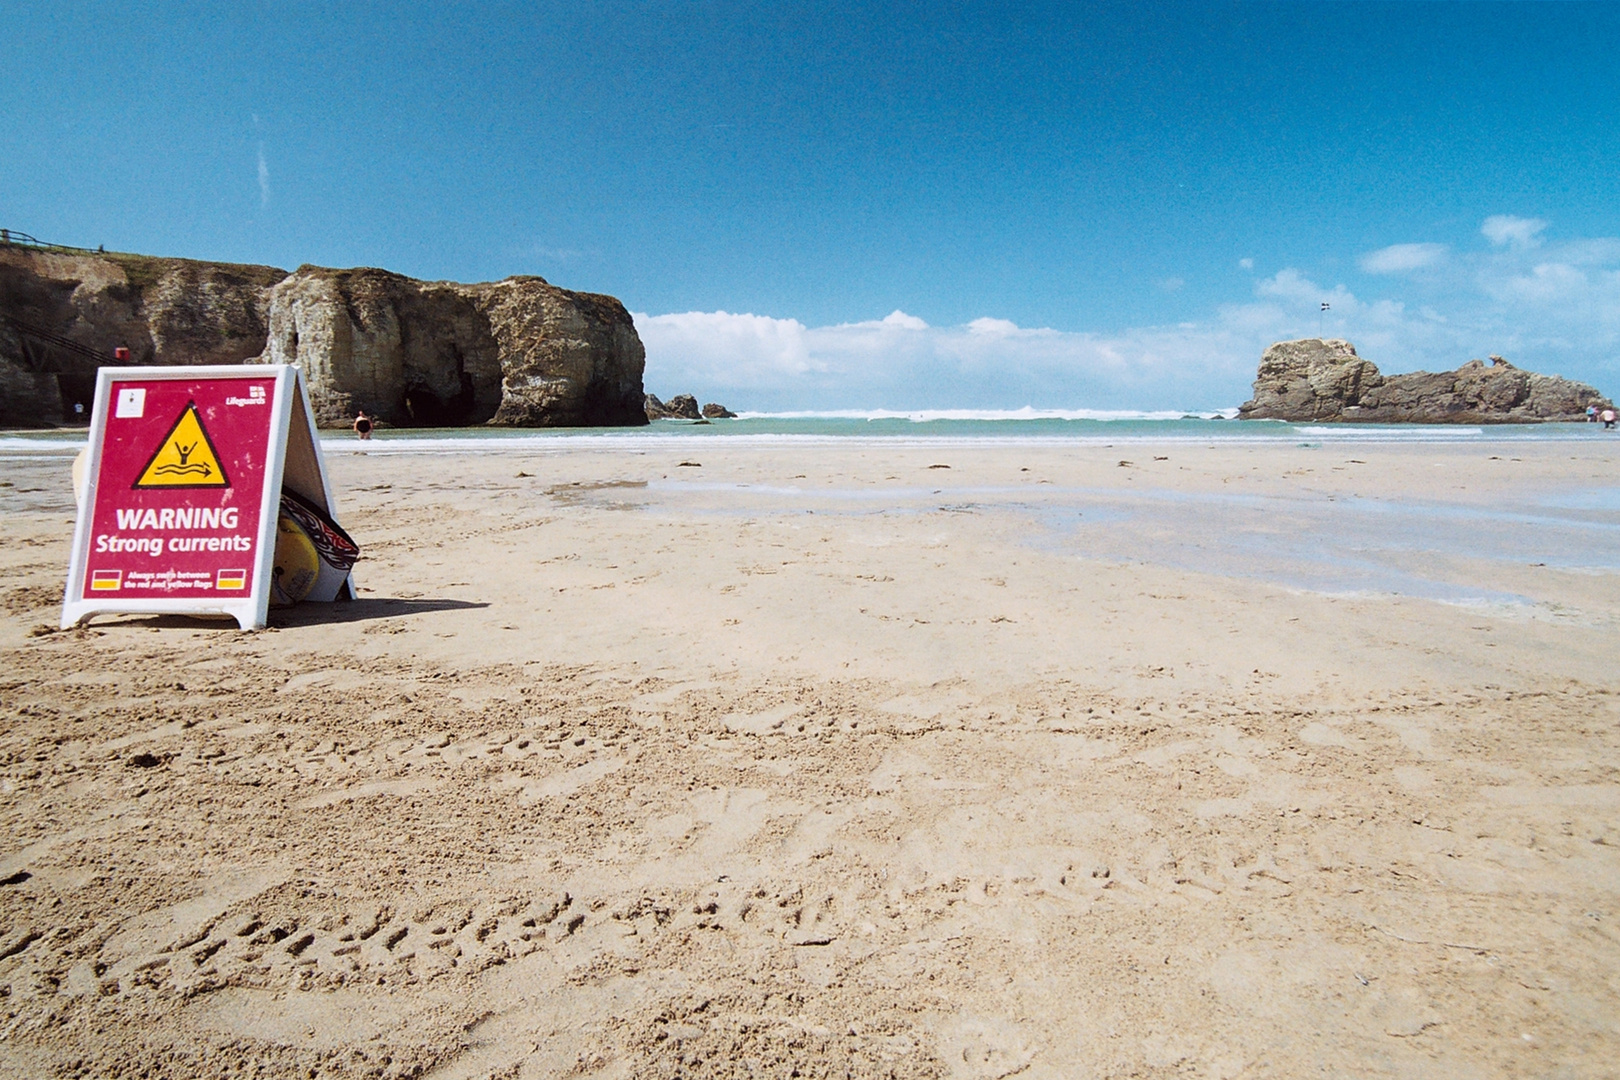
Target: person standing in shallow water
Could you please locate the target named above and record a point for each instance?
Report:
(362, 424)
(1608, 419)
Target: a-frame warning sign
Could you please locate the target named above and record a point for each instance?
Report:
(185, 458)
(192, 476)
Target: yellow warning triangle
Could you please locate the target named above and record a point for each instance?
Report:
(185, 459)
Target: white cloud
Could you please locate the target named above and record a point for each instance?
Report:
(264, 177)
(1550, 306)
(1247, 264)
(1401, 258)
(1547, 282)
(1596, 252)
(759, 362)
(902, 321)
(1505, 230)
(894, 321)
(729, 350)
(1291, 285)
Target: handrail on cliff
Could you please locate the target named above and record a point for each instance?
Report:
(22, 239)
(57, 341)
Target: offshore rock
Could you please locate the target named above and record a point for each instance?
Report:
(1324, 379)
(715, 411)
(679, 407)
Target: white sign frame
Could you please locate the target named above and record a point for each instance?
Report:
(252, 611)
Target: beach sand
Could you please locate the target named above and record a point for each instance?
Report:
(821, 760)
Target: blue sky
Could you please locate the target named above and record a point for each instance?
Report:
(877, 205)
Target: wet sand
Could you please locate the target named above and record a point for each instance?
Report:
(830, 759)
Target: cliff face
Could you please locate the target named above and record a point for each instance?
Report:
(1316, 379)
(518, 352)
(407, 352)
(567, 358)
(62, 314)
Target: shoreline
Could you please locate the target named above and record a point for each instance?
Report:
(894, 433)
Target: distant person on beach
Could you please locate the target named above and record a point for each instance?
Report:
(362, 424)
(1608, 419)
(1591, 414)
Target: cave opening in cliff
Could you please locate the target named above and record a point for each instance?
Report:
(610, 406)
(430, 409)
(78, 392)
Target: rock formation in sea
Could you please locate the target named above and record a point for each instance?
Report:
(685, 407)
(518, 352)
(679, 407)
(1317, 379)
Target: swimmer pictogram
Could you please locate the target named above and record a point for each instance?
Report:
(186, 458)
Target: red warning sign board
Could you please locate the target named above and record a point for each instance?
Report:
(180, 488)
(186, 469)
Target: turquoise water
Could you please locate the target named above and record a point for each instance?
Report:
(931, 431)
(948, 428)
(921, 428)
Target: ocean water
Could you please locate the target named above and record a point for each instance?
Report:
(920, 428)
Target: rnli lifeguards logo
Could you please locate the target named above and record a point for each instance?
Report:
(186, 458)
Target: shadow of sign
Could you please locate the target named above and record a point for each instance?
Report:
(302, 614)
(348, 611)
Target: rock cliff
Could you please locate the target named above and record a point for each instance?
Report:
(1316, 379)
(517, 352)
(407, 352)
(567, 358)
(64, 312)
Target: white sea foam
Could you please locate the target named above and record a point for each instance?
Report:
(1416, 432)
(858, 433)
(941, 428)
(1028, 412)
(53, 445)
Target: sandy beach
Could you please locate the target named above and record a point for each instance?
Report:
(842, 759)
